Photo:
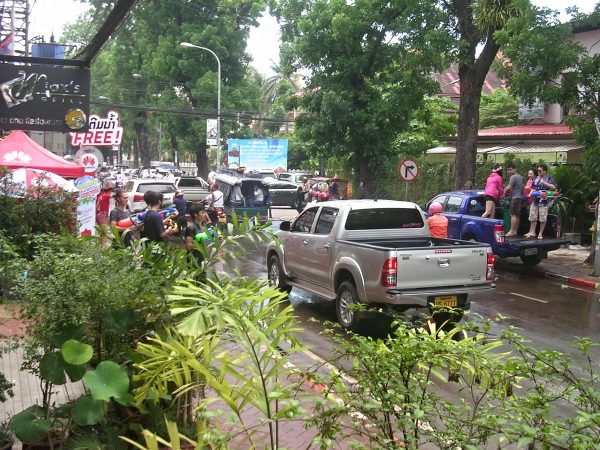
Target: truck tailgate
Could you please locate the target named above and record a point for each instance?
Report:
(441, 267)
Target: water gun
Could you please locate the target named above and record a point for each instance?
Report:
(544, 194)
(138, 219)
(205, 236)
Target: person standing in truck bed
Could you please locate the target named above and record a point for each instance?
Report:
(515, 188)
(539, 208)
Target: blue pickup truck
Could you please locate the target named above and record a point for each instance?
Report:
(464, 209)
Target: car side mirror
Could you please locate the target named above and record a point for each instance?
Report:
(285, 225)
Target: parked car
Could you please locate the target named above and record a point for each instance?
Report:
(136, 188)
(464, 209)
(283, 193)
(296, 178)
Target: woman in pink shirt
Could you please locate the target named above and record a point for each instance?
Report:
(531, 175)
(493, 191)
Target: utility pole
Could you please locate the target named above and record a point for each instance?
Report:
(596, 236)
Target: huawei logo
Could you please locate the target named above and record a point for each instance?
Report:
(17, 156)
(88, 161)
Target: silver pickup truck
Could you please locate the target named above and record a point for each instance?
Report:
(377, 252)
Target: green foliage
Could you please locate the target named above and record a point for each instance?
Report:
(463, 389)
(31, 424)
(228, 335)
(169, 76)
(366, 79)
(37, 211)
(430, 125)
(576, 191)
(498, 109)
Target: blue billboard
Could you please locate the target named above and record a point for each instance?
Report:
(256, 154)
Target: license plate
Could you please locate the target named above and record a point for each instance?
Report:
(530, 251)
(449, 301)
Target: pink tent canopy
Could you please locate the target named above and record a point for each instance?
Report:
(19, 150)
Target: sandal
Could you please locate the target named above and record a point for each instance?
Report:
(528, 235)
(510, 235)
(540, 237)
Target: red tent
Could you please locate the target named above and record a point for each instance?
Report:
(19, 150)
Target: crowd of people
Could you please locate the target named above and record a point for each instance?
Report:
(537, 194)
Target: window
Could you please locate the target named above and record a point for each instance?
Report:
(476, 206)
(304, 222)
(453, 205)
(384, 218)
(158, 187)
(190, 182)
(326, 221)
(441, 199)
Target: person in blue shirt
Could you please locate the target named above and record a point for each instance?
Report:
(154, 229)
(181, 206)
(539, 208)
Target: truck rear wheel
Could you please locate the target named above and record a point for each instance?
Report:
(276, 275)
(531, 260)
(346, 298)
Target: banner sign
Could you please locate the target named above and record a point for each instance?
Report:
(44, 98)
(256, 154)
(211, 132)
(101, 131)
(89, 188)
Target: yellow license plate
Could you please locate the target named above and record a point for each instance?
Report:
(449, 301)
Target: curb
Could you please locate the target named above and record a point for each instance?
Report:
(541, 273)
(573, 281)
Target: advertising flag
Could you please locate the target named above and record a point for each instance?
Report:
(7, 46)
(211, 131)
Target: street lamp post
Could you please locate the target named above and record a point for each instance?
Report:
(187, 44)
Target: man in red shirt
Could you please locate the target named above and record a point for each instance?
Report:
(103, 204)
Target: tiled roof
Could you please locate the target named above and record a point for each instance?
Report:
(543, 130)
(450, 84)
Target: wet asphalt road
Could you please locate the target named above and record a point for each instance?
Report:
(547, 312)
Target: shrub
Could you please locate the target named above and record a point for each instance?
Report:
(39, 210)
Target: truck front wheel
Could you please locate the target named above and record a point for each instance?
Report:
(276, 275)
(531, 260)
(347, 297)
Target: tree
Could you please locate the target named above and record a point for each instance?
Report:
(369, 62)
(498, 109)
(172, 77)
(549, 65)
(430, 125)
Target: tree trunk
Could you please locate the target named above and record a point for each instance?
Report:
(467, 129)
(141, 132)
(202, 162)
(174, 148)
(472, 71)
(364, 178)
(472, 76)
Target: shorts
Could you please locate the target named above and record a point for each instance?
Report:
(489, 198)
(102, 218)
(515, 207)
(538, 213)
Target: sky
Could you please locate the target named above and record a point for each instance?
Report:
(49, 16)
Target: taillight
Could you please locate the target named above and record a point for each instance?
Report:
(489, 274)
(138, 198)
(499, 234)
(558, 228)
(389, 273)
